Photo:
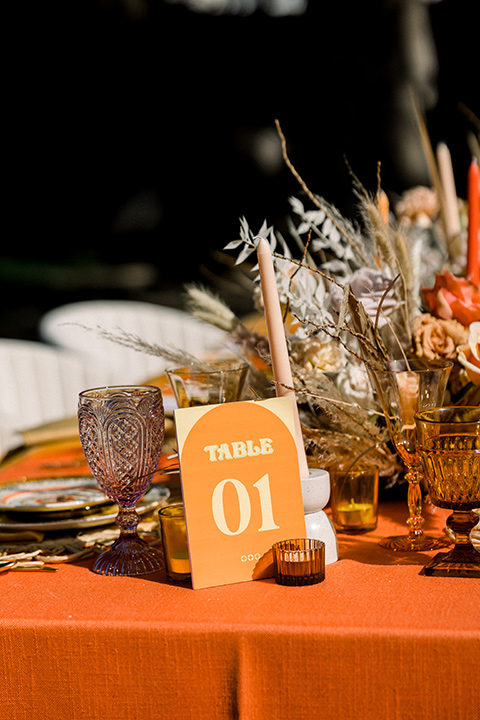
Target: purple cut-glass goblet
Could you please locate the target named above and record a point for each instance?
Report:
(121, 431)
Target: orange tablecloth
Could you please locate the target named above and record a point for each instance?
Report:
(375, 641)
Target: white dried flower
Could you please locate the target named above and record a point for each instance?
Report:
(353, 383)
(369, 287)
(318, 354)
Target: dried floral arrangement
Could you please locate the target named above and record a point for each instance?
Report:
(355, 294)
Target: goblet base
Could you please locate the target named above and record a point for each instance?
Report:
(456, 563)
(406, 543)
(129, 556)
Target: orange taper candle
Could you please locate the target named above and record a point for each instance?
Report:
(473, 262)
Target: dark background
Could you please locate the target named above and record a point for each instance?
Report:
(129, 140)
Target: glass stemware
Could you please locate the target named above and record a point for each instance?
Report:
(404, 388)
(222, 383)
(121, 432)
(449, 448)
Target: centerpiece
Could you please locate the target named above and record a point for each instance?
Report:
(355, 296)
(395, 283)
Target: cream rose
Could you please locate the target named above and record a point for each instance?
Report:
(469, 354)
(315, 354)
(418, 206)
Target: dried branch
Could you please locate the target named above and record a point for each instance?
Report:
(335, 218)
(134, 342)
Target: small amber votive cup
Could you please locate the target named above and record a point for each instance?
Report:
(354, 500)
(299, 562)
(174, 540)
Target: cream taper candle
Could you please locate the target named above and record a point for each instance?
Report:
(447, 181)
(282, 372)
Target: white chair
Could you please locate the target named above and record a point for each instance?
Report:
(40, 384)
(170, 328)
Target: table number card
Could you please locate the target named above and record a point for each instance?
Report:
(241, 487)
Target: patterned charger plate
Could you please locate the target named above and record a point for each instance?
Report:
(104, 515)
(52, 495)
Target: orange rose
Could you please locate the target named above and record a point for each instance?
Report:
(453, 297)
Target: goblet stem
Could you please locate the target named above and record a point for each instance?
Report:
(463, 560)
(416, 540)
(129, 554)
(461, 523)
(127, 520)
(414, 501)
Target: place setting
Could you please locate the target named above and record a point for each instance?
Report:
(63, 504)
(53, 510)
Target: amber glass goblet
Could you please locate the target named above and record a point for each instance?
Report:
(449, 449)
(404, 388)
(121, 431)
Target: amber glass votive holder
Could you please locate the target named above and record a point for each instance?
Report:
(174, 540)
(354, 500)
(300, 561)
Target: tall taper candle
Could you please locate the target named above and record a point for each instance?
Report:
(447, 181)
(473, 263)
(282, 372)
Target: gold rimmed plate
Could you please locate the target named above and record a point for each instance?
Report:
(103, 515)
(52, 495)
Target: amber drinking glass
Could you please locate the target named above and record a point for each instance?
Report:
(121, 431)
(404, 388)
(174, 540)
(223, 383)
(449, 448)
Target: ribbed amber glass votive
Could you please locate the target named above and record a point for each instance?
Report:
(299, 562)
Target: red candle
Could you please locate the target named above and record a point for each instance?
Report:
(473, 264)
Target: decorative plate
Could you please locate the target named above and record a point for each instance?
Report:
(105, 515)
(51, 495)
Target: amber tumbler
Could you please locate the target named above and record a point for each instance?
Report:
(174, 539)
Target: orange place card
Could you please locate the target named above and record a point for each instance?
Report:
(241, 487)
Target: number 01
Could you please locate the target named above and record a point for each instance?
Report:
(263, 488)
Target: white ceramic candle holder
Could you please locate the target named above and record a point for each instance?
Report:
(315, 494)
